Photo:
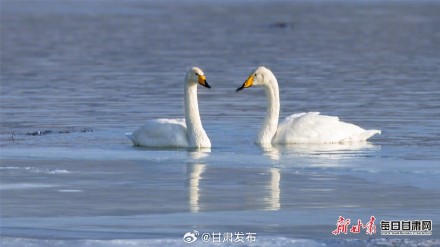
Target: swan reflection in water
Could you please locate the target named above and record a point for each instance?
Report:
(194, 175)
(333, 151)
(274, 190)
(328, 152)
(194, 171)
(259, 187)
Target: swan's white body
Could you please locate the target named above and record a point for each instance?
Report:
(186, 132)
(303, 127)
(314, 128)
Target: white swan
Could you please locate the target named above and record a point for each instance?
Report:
(186, 132)
(303, 127)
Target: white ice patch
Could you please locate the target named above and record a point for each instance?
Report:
(36, 170)
(70, 191)
(57, 171)
(21, 186)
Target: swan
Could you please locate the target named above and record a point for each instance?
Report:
(184, 133)
(299, 128)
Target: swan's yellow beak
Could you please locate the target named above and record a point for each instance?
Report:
(202, 81)
(248, 83)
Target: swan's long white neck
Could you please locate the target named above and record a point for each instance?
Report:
(196, 134)
(270, 126)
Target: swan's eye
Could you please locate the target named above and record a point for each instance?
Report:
(197, 74)
(255, 75)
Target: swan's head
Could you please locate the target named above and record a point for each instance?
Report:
(258, 77)
(195, 75)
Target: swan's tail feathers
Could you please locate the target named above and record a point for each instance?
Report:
(130, 136)
(369, 133)
(363, 136)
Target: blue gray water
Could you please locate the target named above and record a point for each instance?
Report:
(77, 75)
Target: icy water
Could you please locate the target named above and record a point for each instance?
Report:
(77, 75)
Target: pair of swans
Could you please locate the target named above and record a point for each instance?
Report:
(296, 129)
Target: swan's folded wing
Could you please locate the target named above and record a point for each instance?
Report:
(161, 133)
(314, 128)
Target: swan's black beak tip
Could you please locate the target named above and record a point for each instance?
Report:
(239, 89)
(206, 84)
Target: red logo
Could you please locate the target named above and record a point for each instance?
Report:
(342, 226)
